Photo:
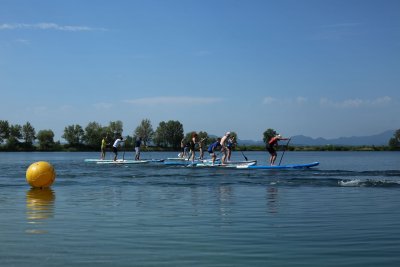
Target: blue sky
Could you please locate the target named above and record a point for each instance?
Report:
(319, 68)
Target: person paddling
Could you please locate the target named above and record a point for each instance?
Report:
(212, 148)
(201, 143)
(116, 144)
(138, 143)
(192, 146)
(224, 148)
(103, 147)
(230, 145)
(271, 145)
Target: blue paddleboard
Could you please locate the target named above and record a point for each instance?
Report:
(287, 166)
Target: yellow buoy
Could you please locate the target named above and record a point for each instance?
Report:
(40, 174)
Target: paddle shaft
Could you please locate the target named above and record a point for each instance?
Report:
(123, 155)
(284, 150)
(244, 156)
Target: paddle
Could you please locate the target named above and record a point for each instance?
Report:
(284, 149)
(244, 156)
(123, 155)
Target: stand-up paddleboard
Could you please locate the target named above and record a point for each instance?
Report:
(189, 162)
(122, 161)
(154, 160)
(180, 162)
(231, 164)
(97, 160)
(280, 167)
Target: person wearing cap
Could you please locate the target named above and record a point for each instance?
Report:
(271, 144)
(224, 148)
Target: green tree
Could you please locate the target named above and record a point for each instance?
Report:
(28, 133)
(46, 139)
(129, 143)
(145, 131)
(73, 134)
(169, 134)
(203, 135)
(13, 142)
(394, 142)
(16, 131)
(160, 135)
(4, 130)
(268, 134)
(94, 133)
(115, 128)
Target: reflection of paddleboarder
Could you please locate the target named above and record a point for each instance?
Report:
(272, 198)
(272, 143)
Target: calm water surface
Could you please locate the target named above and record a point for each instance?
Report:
(346, 212)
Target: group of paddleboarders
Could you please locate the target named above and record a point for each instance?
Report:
(225, 144)
(117, 143)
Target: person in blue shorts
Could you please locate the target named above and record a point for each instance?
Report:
(212, 148)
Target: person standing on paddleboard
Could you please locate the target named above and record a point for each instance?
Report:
(212, 148)
(224, 149)
(103, 147)
(192, 146)
(138, 143)
(271, 144)
(231, 144)
(116, 144)
(201, 143)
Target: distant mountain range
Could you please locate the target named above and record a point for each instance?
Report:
(381, 139)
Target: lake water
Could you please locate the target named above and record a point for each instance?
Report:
(346, 212)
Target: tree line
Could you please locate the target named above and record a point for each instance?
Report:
(167, 136)
(15, 137)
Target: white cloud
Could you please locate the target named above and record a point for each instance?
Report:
(169, 100)
(356, 102)
(381, 100)
(270, 100)
(301, 100)
(22, 41)
(46, 26)
(103, 105)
